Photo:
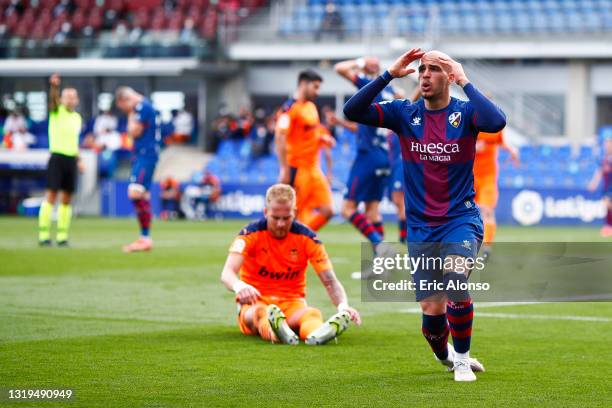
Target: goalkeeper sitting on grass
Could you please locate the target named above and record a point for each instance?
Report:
(266, 268)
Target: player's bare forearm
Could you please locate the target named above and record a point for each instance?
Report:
(328, 162)
(280, 140)
(347, 69)
(347, 124)
(231, 269)
(54, 96)
(334, 288)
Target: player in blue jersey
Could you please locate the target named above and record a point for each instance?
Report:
(371, 168)
(605, 173)
(438, 141)
(143, 128)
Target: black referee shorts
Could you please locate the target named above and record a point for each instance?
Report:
(62, 173)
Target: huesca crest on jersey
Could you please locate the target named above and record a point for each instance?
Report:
(455, 119)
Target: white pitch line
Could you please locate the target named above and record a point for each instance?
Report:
(530, 316)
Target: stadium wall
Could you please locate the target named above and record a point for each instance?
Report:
(525, 207)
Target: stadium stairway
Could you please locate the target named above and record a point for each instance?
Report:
(180, 162)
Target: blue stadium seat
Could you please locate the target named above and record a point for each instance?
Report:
(540, 22)
(556, 22)
(505, 23)
(418, 24)
(574, 22)
(522, 22)
(592, 22)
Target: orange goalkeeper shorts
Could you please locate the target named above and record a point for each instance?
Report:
(487, 192)
(312, 189)
(288, 306)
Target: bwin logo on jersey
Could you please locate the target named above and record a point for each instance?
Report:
(416, 121)
(455, 119)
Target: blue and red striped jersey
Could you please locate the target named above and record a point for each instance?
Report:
(438, 150)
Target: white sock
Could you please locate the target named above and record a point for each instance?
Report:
(462, 356)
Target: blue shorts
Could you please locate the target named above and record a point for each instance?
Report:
(367, 179)
(142, 173)
(460, 236)
(396, 180)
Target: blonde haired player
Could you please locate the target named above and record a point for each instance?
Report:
(266, 269)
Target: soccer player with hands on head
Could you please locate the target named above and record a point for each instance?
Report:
(266, 269)
(438, 136)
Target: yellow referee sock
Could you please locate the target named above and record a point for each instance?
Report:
(44, 221)
(64, 213)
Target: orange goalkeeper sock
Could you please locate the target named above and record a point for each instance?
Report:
(489, 232)
(263, 325)
(310, 321)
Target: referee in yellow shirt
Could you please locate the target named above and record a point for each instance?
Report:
(64, 129)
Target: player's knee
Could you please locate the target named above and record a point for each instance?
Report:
(51, 196)
(348, 209)
(310, 321)
(259, 313)
(432, 308)
(311, 313)
(373, 214)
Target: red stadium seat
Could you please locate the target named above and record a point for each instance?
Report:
(83, 4)
(22, 31)
(12, 21)
(141, 19)
(117, 5)
(79, 19)
(95, 18)
(175, 21)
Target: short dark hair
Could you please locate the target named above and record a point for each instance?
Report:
(309, 76)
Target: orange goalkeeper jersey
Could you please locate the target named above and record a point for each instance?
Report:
(277, 267)
(300, 121)
(485, 164)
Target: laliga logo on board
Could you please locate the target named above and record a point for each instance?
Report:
(528, 207)
(454, 119)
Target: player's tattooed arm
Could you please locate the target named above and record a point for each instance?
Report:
(337, 294)
(54, 93)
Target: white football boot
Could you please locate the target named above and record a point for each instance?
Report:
(332, 328)
(279, 325)
(475, 365)
(463, 371)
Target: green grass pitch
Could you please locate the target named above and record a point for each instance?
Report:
(158, 330)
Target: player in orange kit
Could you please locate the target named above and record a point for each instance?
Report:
(298, 141)
(485, 181)
(266, 268)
